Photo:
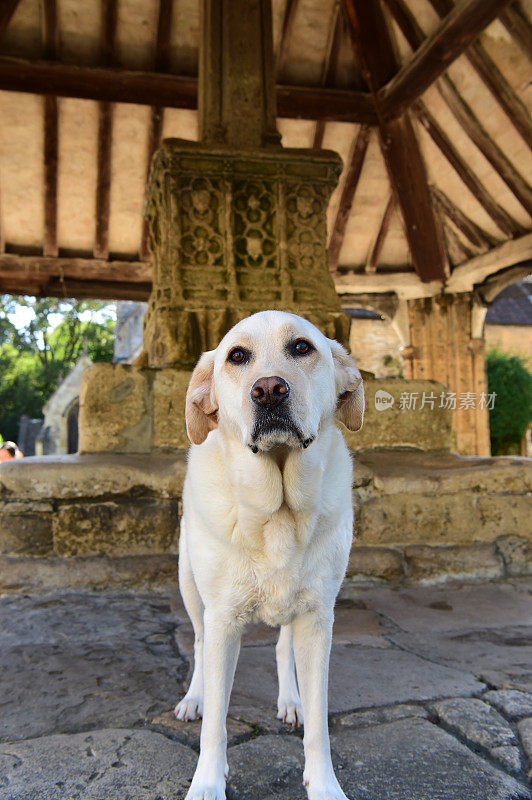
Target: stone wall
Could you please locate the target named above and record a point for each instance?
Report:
(376, 347)
(102, 520)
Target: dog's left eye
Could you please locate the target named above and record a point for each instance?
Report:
(301, 347)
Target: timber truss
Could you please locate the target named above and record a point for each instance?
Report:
(434, 191)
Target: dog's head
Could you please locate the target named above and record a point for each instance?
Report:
(273, 380)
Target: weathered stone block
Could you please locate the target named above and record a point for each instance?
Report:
(26, 528)
(427, 563)
(392, 424)
(420, 518)
(130, 527)
(375, 562)
(509, 514)
(115, 413)
(517, 554)
(169, 390)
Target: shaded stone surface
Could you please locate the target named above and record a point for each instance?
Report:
(413, 759)
(78, 662)
(268, 767)
(481, 725)
(100, 765)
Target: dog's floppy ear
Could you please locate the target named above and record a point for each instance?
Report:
(349, 388)
(201, 409)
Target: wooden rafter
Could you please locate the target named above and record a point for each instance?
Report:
(162, 62)
(330, 65)
(50, 42)
(171, 91)
(105, 135)
(456, 33)
(484, 66)
(7, 9)
(473, 232)
(491, 151)
(376, 248)
(516, 23)
(499, 215)
(286, 31)
(402, 155)
(352, 177)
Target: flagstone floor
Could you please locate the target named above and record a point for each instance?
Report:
(430, 698)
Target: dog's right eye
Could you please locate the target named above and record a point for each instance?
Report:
(238, 356)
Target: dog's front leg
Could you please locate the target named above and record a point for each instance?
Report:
(312, 646)
(220, 654)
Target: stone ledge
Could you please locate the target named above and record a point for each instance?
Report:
(25, 574)
(419, 516)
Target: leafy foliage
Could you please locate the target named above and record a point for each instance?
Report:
(36, 357)
(512, 412)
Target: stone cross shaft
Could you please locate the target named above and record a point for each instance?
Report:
(237, 223)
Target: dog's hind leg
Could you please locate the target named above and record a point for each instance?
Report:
(191, 706)
(288, 703)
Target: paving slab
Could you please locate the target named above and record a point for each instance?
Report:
(269, 768)
(479, 724)
(101, 765)
(79, 661)
(525, 732)
(512, 703)
(411, 759)
(453, 607)
(501, 657)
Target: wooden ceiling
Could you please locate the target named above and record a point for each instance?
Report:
(427, 101)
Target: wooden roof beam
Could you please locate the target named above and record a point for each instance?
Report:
(402, 155)
(348, 193)
(481, 62)
(491, 151)
(499, 215)
(171, 91)
(105, 135)
(457, 31)
(7, 9)
(50, 42)
(288, 24)
(75, 277)
(330, 64)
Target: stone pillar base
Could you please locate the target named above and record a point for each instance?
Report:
(128, 409)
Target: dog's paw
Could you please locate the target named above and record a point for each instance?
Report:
(200, 792)
(290, 711)
(190, 708)
(329, 791)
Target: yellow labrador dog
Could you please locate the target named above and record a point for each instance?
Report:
(267, 525)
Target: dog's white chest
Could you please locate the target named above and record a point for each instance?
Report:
(272, 556)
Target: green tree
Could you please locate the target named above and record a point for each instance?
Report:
(36, 357)
(509, 378)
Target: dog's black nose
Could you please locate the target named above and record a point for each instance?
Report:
(270, 392)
